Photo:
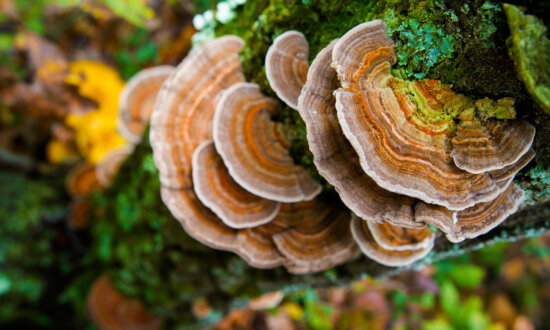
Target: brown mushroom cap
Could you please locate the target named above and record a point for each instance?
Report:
(257, 248)
(395, 238)
(108, 166)
(474, 221)
(181, 120)
(316, 235)
(111, 310)
(305, 237)
(254, 149)
(81, 180)
(404, 149)
(235, 206)
(335, 158)
(385, 243)
(286, 65)
(481, 148)
(137, 100)
(510, 171)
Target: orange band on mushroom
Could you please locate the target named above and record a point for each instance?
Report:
(237, 207)
(402, 131)
(286, 66)
(391, 246)
(316, 237)
(474, 221)
(335, 158)
(181, 120)
(251, 147)
(137, 100)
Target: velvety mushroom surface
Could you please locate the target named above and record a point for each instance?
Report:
(305, 237)
(286, 66)
(190, 168)
(391, 245)
(137, 100)
(335, 158)
(237, 207)
(402, 130)
(254, 148)
(474, 221)
(181, 121)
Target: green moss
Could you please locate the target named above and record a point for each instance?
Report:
(31, 212)
(529, 47)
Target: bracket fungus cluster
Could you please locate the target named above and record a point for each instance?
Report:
(403, 154)
(400, 154)
(227, 174)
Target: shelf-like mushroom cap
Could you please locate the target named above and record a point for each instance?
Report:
(254, 149)
(480, 148)
(181, 120)
(510, 171)
(473, 221)
(316, 235)
(109, 164)
(137, 100)
(81, 180)
(109, 309)
(395, 238)
(235, 206)
(286, 65)
(335, 158)
(391, 245)
(256, 246)
(304, 237)
(402, 130)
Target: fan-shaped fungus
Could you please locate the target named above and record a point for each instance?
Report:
(473, 221)
(137, 100)
(335, 158)
(402, 130)
(254, 149)
(391, 245)
(216, 189)
(181, 121)
(286, 66)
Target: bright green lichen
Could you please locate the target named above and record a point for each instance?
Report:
(421, 46)
(529, 47)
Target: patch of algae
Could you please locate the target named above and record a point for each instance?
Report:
(529, 47)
